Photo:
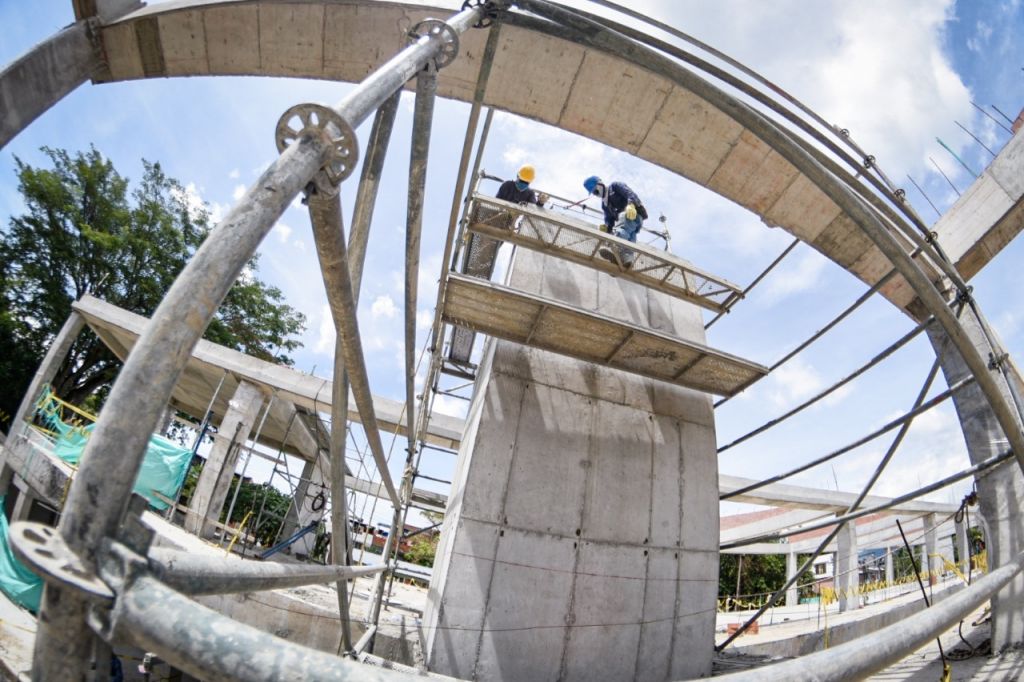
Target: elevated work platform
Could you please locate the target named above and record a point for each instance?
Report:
(540, 322)
(564, 236)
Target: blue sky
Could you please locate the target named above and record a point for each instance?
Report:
(898, 75)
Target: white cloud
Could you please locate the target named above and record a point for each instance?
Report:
(795, 381)
(238, 192)
(234, 174)
(190, 196)
(326, 338)
(795, 275)
(424, 319)
(383, 306)
(283, 232)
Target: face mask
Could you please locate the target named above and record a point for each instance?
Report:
(520, 185)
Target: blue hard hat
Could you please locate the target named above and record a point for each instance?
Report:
(590, 183)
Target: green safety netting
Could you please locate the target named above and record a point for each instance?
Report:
(20, 584)
(163, 469)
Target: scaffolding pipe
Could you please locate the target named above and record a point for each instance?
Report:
(871, 653)
(110, 463)
(245, 467)
(423, 118)
(764, 273)
(191, 574)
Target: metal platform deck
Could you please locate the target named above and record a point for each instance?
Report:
(490, 308)
(564, 236)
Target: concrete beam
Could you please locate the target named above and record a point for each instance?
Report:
(41, 77)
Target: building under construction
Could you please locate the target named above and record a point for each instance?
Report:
(581, 534)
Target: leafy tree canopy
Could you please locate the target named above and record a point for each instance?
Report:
(85, 230)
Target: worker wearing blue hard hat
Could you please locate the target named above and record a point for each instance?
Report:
(616, 199)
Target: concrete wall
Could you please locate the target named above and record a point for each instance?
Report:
(1000, 490)
(581, 540)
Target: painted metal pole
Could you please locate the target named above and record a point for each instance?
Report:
(55, 355)
(192, 574)
(423, 118)
(98, 499)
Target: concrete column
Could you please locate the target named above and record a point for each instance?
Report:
(1000, 490)
(23, 505)
(311, 497)
(928, 558)
(48, 367)
(963, 546)
(944, 548)
(585, 504)
(215, 480)
(890, 565)
(847, 577)
(793, 593)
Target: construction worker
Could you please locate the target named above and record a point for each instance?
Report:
(518, 191)
(618, 198)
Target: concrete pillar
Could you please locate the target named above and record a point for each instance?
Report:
(963, 546)
(581, 539)
(48, 367)
(944, 548)
(793, 593)
(928, 558)
(311, 497)
(890, 565)
(215, 480)
(23, 505)
(1000, 490)
(847, 576)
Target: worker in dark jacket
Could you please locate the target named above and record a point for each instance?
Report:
(518, 191)
(617, 198)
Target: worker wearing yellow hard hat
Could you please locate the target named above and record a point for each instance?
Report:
(518, 191)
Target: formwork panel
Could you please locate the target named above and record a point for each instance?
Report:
(184, 42)
(233, 39)
(291, 40)
(543, 323)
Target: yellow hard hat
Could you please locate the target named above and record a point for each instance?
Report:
(526, 173)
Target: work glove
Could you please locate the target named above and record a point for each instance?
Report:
(605, 228)
(542, 198)
(630, 212)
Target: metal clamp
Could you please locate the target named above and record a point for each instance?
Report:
(316, 119)
(43, 549)
(489, 16)
(436, 27)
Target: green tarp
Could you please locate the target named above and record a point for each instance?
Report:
(163, 470)
(20, 584)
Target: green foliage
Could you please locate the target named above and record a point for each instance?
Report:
(85, 231)
(761, 574)
(250, 498)
(422, 549)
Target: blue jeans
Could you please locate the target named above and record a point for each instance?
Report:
(629, 229)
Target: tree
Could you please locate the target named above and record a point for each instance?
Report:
(84, 231)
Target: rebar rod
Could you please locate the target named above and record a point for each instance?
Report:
(904, 420)
(938, 485)
(757, 280)
(882, 183)
(865, 489)
(902, 341)
(110, 463)
(993, 118)
(933, 302)
(191, 574)
(975, 138)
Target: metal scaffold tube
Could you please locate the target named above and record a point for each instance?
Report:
(191, 574)
(110, 463)
(423, 117)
